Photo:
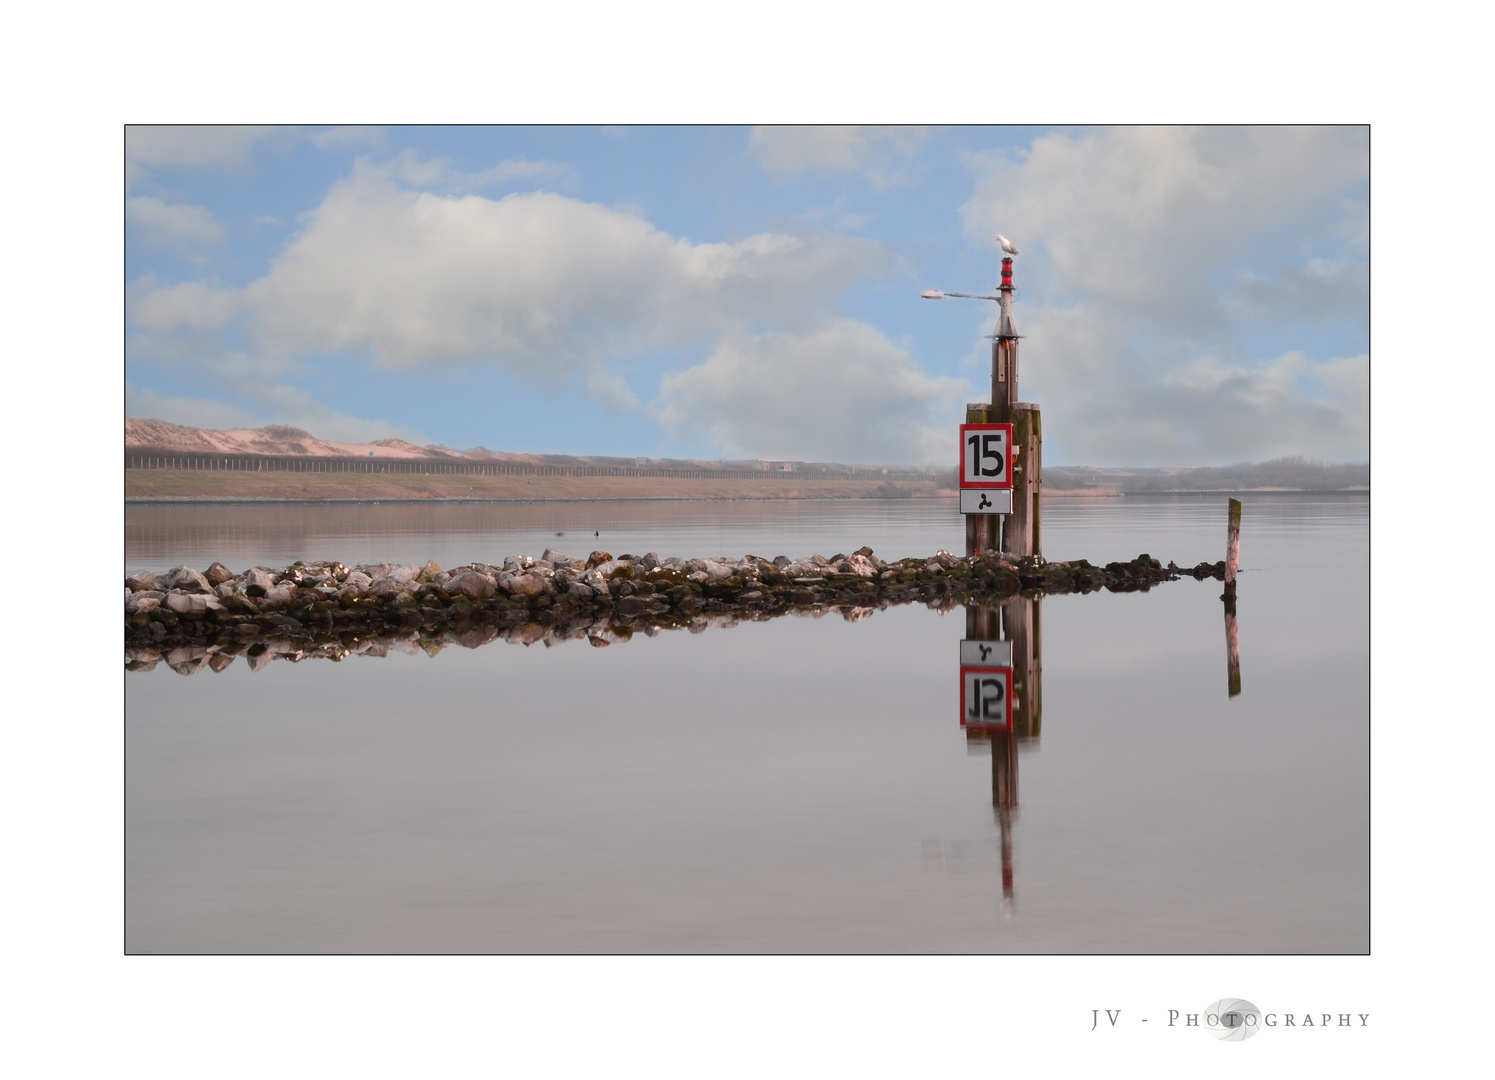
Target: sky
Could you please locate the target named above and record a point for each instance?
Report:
(1187, 296)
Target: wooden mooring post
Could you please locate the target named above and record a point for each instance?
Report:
(1232, 560)
(1232, 547)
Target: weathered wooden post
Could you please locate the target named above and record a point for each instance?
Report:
(1232, 561)
(1232, 547)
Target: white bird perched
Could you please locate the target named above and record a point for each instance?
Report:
(1006, 244)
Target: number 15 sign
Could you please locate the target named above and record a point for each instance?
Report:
(986, 455)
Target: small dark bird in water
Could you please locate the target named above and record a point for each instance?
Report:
(560, 534)
(597, 534)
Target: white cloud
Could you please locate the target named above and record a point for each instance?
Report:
(1319, 289)
(841, 392)
(557, 291)
(143, 403)
(1107, 401)
(874, 151)
(269, 405)
(192, 306)
(611, 391)
(438, 174)
(1145, 249)
(340, 138)
(178, 226)
(174, 146)
(544, 286)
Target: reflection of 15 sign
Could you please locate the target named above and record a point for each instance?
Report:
(986, 698)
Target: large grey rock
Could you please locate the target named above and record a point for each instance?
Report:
(524, 585)
(217, 574)
(141, 580)
(139, 604)
(471, 584)
(186, 603)
(279, 594)
(187, 579)
(556, 558)
(404, 574)
(861, 566)
(386, 588)
(258, 582)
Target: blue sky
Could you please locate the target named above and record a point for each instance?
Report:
(1189, 296)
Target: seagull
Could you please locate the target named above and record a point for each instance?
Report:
(1006, 244)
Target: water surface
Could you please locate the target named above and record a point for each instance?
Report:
(797, 785)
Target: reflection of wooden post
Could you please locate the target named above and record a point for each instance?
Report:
(981, 529)
(1020, 619)
(1004, 800)
(1232, 648)
(1232, 547)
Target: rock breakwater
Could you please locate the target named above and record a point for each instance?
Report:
(195, 618)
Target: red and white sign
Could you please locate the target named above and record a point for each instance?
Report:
(986, 698)
(986, 455)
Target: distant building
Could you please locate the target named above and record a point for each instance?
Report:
(779, 466)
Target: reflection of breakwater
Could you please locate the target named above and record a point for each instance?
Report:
(193, 619)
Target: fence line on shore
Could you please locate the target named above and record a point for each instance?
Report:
(176, 460)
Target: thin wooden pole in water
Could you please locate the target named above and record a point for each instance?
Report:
(1232, 548)
(1232, 560)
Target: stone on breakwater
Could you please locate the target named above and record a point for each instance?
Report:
(471, 584)
(520, 584)
(186, 579)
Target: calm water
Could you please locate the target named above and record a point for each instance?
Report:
(797, 785)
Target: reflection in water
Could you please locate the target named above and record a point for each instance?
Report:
(1002, 701)
(1232, 649)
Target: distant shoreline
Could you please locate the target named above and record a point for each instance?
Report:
(170, 500)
